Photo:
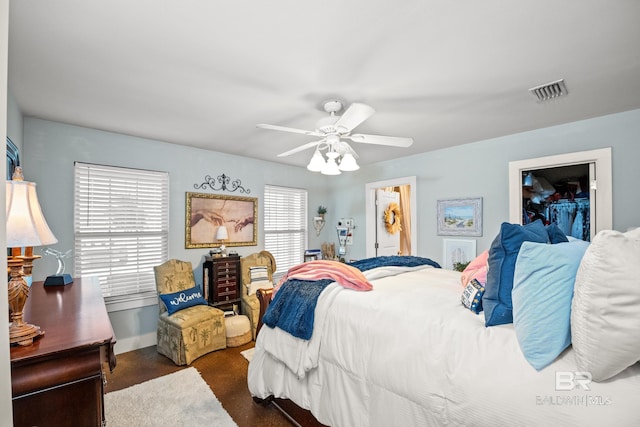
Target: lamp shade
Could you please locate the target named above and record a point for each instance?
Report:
(348, 163)
(317, 162)
(331, 168)
(26, 225)
(222, 233)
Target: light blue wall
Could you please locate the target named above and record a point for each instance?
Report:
(50, 150)
(14, 121)
(479, 169)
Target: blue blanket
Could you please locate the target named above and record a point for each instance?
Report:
(293, 307)
(396, 261)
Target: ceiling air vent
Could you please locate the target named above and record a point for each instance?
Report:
(549, 91)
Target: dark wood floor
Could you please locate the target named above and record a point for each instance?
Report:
(224, 370)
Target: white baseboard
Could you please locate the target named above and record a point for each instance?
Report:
(134, 343)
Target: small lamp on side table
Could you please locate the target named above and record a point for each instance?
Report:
(222, 235)
(26, 227)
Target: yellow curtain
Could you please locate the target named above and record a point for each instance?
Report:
(405, 208)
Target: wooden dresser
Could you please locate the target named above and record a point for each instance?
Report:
(58, 380)
(223, 279)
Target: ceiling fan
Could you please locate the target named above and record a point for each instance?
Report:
(332, 130)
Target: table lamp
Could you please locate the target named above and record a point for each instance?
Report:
(26, 227)
(222, 235)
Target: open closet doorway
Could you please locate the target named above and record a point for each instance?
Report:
(572, 190)
(376, 231)
(561, 196)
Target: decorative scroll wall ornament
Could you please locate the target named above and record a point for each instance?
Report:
(392, 218)
(223, 181)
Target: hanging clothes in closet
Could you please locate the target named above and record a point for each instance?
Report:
(571, 216)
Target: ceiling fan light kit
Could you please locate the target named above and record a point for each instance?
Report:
(332, 130)
(348, 163)
(331, 167)
(317, 162)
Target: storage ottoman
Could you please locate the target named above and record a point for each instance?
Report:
(238, 330)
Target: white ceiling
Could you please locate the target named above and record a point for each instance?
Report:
(203, 73)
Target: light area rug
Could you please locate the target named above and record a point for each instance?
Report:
(248, 353)
(179, 399)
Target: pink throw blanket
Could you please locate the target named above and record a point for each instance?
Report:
(346, 275)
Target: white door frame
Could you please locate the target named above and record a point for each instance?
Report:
(603, 215)
(370, 216)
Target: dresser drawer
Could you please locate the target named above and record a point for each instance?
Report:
(223, 279)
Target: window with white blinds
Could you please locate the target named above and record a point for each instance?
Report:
(121, 228)
(285, 226)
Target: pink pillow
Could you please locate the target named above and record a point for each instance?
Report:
(477, 269)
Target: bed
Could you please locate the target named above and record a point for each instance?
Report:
(408, 352)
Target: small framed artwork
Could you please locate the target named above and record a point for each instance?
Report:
(213, 220)
(457, 254)
(460, 217)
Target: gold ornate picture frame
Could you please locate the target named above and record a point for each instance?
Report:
(206, 213)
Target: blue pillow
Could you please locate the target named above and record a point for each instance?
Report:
(502, 262)
(556, 235)
(542, 293)
(183, 299)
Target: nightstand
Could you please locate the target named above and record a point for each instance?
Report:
(222, 278)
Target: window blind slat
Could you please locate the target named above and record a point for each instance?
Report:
(285, 226)
(121, 227)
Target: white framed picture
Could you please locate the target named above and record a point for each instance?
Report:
(457, 253)
(460, 217)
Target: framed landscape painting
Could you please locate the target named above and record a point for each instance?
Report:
(460, 217)
(206, 213)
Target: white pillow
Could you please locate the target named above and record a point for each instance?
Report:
(605, 312)
(258, 273)
(260, 284)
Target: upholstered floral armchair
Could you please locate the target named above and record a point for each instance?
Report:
(257, 273)
(187, 327)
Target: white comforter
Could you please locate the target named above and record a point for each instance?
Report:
(408, 353)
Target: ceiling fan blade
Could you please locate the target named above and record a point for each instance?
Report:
(355, 114)
(287, 129)
(395, 141)
(300, 148)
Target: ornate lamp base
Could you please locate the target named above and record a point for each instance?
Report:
(24, 334)
(20, 333)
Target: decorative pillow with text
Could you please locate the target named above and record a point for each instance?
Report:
(472, 296)
(182, 299)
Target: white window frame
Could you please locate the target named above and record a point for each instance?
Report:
(121, 231)
(285, 226)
